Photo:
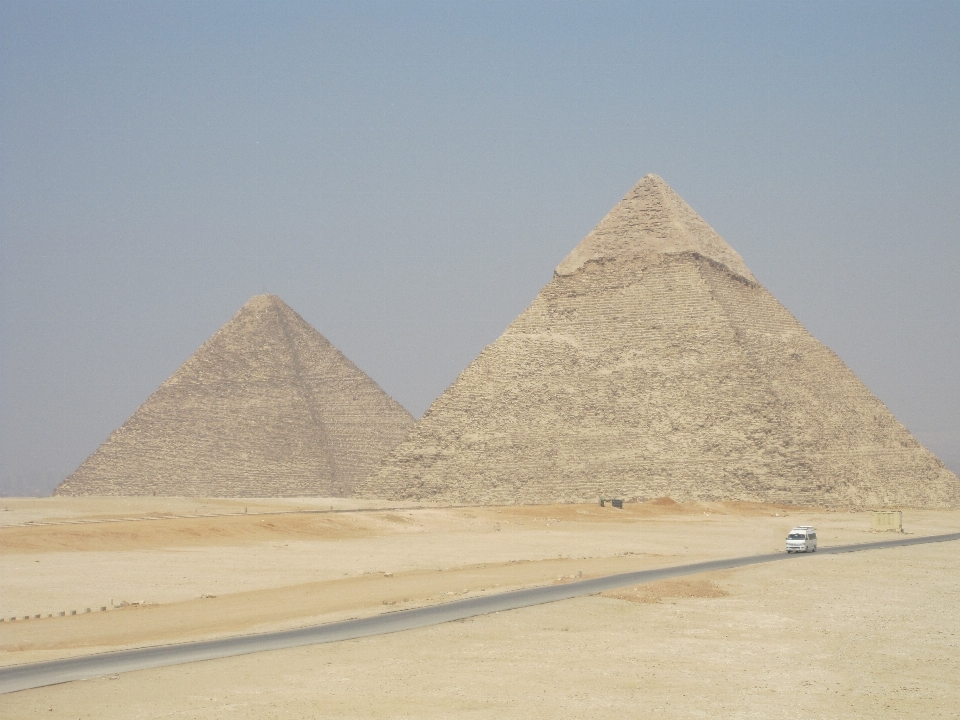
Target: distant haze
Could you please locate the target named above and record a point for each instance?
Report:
(407, 175)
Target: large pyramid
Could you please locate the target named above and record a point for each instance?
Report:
(654, 364)
(267, 407)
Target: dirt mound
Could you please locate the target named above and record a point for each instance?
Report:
(184, 532)
(663, 502)
(679, 588)
(633, 511)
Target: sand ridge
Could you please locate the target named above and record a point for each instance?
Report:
(291, 606)
(179, 532)
(99, 533)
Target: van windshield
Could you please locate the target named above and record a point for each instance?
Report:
(796, 536)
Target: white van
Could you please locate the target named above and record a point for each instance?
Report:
(802, 539)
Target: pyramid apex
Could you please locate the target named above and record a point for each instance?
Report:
(652, 220)
(259, 302)
(265, 302)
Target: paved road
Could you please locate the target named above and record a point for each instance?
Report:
(23, 677)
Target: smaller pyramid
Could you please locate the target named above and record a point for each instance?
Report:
(267, 407)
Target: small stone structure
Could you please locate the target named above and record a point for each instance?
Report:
(887, 520)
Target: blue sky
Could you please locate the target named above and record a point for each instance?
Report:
(407, 175)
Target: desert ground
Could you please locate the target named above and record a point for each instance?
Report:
(859, 635)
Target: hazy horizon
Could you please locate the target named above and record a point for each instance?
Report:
(407, 176)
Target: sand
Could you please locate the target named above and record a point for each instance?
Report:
(855, 635)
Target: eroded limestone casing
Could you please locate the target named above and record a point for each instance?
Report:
(654, 364)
